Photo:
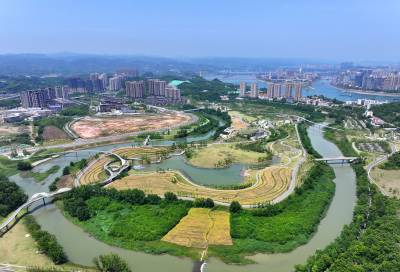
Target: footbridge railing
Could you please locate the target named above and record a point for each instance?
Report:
(6, 225)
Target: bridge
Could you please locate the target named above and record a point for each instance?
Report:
(334, 160)
(146, 141)
(13, 218)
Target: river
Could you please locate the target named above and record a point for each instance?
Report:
(81, 248)
(319, 87)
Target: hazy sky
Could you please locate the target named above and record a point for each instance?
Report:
(334, 29)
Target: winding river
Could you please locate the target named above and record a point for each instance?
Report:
(81, 248)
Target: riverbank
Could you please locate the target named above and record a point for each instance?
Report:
(365, 92)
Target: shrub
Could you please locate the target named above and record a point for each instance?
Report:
(24, 166)
(153, 199)
(169, 196)
(235, 207)
(111, 263)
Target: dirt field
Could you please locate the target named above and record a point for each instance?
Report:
(237, 121)
(51, 133)
(7, 129)
(389, 180)
(200, 228)
(273, 182)
(209, 156)
(92, 127)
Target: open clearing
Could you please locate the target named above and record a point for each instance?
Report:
(273, 181)
(238, 121)
(208, 157)
(389, 180)
(92, 127)
(16, 248)
(52, 133)
(200, 228)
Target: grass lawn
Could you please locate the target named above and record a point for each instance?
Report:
(17, 249)
(208, 157)
(389, 180)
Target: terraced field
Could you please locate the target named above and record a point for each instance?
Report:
(95, 172)
(200, 228)
(153, 153)
(273, 181)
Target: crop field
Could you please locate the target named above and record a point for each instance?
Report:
(92, 127)
(208, 157)
(153, 153)
(273, 181)
(200, 228)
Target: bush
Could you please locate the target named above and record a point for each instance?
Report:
(169, 196)
(110, 263)
(203, 203)
(153, 199)
(47, 243)
(235, 207)
(24, 166)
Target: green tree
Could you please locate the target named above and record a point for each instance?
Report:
(169, 196)
(235, 207)
(111, 263)
(24, 166)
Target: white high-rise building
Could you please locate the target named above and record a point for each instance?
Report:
(242, 89)
(115, 83)
(104, 80)
(254, 90)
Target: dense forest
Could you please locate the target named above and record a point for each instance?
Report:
(393, 162)
(389, 112)
(11, 196)
(202, 89)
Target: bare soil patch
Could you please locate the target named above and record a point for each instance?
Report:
(51, 133)
(92, 127)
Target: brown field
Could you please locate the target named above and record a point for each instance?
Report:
(8, 129)
(51, 133)
(273, 182)
(388, 180)
(92, 127)
(237, 122)
(200, 228)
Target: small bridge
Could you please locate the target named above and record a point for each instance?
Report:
(341, 160)
(13, 218)
(146, 141)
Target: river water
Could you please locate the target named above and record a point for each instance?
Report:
(319, 87)
(81, 248)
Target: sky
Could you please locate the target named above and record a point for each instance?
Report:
(354, 30)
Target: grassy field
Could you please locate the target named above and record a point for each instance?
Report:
(273, 181)
(389, 180)
(19, 249)
(209, 156)
(135, 227)
(200, 228)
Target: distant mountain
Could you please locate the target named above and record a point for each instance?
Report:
(72, 64)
